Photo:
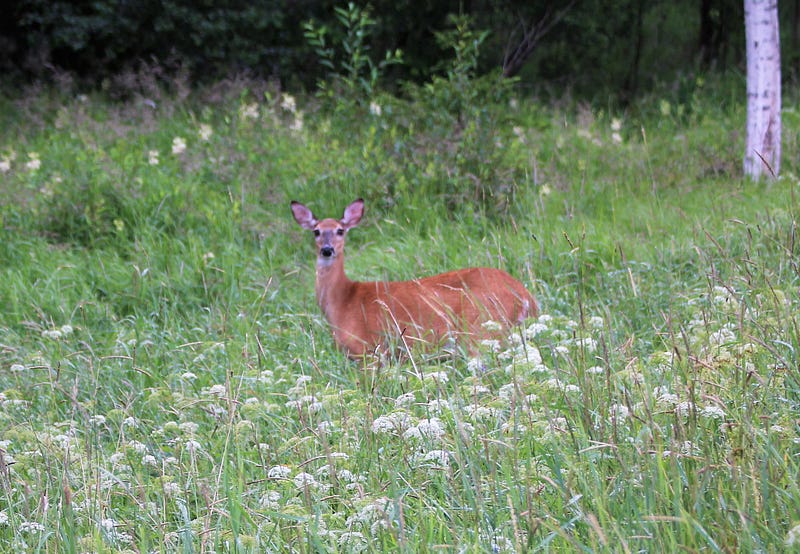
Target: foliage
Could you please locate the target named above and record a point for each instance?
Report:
(171, 385)
(603, 50)
(354, 75)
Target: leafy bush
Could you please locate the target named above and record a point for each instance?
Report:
(353, 73)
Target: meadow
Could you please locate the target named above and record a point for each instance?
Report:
(168, 384)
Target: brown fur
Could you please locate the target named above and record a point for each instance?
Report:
(365, 316)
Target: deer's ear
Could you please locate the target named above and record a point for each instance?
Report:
(353, 214)
(303, 216)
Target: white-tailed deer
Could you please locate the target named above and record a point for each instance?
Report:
(367, 316)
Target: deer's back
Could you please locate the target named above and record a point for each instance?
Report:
(428, 309)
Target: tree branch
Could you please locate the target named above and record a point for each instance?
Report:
(515, 58)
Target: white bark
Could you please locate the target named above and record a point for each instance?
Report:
(762, 154)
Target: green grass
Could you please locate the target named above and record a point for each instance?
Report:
(167, 382)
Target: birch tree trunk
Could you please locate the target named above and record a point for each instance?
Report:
(762, 153)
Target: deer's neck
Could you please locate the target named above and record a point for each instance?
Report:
(333, 289)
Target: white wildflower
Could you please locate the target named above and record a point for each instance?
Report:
(713, 412)
(270, 500)
(216, 390)
(33, 163)
(150, 460)
(5, 167)
(636, 377)
(438, 457)
(596, 322)
(97, 420)
(116, 458)
(558, 384)
(353, 541)
(404, 400)
(31, 527)
(138, 447)
(305, 480)
(507, 391)
(308, 402)
(491, 326)
(491, 345)
(152, 157)
(502, 544)
(619, 412)
(723, 336)
(205, 131)
(172, 489)
(432, 428)
(17, 368)
(3, 518)
(482, 413)
(193, 446)
(588, 344)
(475, 366)
(278, 472)
(375, 109)
(527, 353)
(688, 448)
(723, 295)
(436, 376)
(793, 536)
(297, 124)
(248, 111)
(438, 406)
(288, 103)
(302, 380)
(667, 399)
(395, 422)
(531, 399)
(188, 427)
(683, 409)
(375, 511)
(53, 334)
(178, 145)
(109, 526)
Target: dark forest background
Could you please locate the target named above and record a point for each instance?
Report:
(597, 49)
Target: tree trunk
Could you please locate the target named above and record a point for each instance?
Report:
(763, 143)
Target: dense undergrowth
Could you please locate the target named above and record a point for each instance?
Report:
(167, 382)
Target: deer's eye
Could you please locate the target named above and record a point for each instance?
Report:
(316, 232)
(340, 231)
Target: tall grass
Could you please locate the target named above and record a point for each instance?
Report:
(168, 384)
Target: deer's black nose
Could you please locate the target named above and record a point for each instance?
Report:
(326, 251)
